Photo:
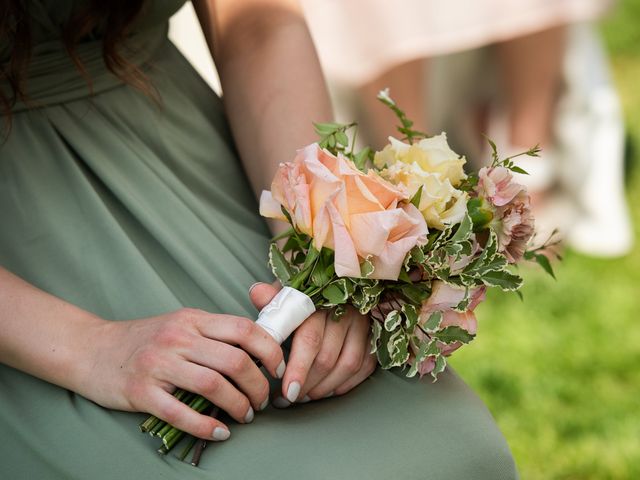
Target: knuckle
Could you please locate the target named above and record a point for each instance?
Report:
(210, 384)
(188, 315)
(244, 327)
(324, 362)
(170, 413)
(352, 363)
(239, 362)
(312, 339)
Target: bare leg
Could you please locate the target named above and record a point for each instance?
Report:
(530, 67)
(407, 85)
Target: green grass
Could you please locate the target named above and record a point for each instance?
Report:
(561, 371)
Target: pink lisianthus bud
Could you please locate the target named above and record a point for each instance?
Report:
(513, 221)
(444, 298)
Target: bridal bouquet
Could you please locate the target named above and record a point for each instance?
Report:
(403, 235)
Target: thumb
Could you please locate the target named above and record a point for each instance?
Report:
(262, 293)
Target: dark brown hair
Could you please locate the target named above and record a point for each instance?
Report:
(111, 19)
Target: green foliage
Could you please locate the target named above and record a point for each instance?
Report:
(333, 137)
(405, 124)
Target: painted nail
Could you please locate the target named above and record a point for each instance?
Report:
(293, 391)
(264, 404)
(330, 394)
(220, 434)
(305, 399)
(253, 286)
(248, 418)
(281, 402)
(280, 370)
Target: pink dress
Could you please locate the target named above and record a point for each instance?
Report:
(358, 40)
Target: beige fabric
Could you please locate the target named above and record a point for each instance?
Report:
(360, 39)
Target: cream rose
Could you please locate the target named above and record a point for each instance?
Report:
(432, 165)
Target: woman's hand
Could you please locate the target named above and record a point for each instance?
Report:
(327, 357)
(139, 364)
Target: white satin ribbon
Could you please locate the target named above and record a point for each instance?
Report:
(285, 312)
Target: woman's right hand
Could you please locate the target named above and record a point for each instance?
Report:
(139, 363)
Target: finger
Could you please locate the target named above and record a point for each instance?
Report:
(350, 360)
(246, 334)
(306, 344)
(214, 387)
(235, 364)
(166, 407)
(325, 361)
(262, 293)
(368, 367)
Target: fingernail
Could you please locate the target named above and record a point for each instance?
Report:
(305, 399)
(293, 391)
(330, 394)
(264, 404)
(281, 402)
(252, 286)
(248, 418)
(280, 370)
(220, 434)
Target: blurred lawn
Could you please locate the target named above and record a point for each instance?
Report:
(561, 371)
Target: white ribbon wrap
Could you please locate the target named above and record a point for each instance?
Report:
(285, 312)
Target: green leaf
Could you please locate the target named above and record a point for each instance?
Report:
(366, 268)
(464, 231)
(415, 200)
(415, 292)
(338, 312)
(360, 158)
(417, 255)
(342, 138)
(334, 294)
(411, 316)
(376, 330)
(392, 320)
(544, 262)
(433, 322)
(384, 357)
(453, 334)
(398, 347)
(505, 280)
(441, 363)
(327, 128)
(516, 169)
(280, 265)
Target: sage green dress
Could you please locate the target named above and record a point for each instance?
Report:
(129, 209)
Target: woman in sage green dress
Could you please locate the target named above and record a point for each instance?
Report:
(122, 204)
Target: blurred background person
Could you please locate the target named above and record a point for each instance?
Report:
(524, 72)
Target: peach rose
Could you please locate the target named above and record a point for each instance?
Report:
(359, 216)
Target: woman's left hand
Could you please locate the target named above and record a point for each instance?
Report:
(327, 357)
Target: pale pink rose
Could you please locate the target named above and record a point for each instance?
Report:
(357, 215)
(512, 221)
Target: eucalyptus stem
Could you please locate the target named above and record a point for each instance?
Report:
(187, 448)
